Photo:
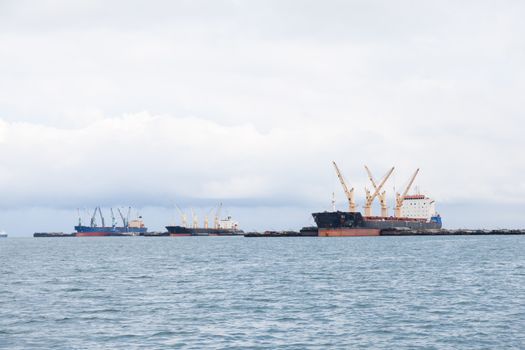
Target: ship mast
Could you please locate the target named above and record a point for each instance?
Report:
(79, 217)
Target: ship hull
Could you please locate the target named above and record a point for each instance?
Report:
(348, 232)
(345, 224)
(176, 231)
(95, 234)
(88, 231)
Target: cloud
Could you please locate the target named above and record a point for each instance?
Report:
(158, 159)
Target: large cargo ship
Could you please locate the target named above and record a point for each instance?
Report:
(412, 212)
(129, 227)
(341, 223)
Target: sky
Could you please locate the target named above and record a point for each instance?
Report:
(161, 104)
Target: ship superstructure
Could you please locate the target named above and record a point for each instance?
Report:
(418, 206)
(134, 227)
(411, 211)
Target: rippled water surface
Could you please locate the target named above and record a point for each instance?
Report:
(287, 293)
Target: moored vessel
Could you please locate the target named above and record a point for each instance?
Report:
(413, 212)
(221, 227)
(52, 234)
(133, 227)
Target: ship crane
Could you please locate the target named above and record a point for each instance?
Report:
(216, 224)
(401, 198)
(113, 221)
(206, 220)
(79, 217)
(124, 221)
(381, 196)
(370, 197)
(182, 217)
(93, 218)
(195, 222)
(349, 193)
(101, 217)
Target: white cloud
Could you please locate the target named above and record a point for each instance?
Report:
(156, 159)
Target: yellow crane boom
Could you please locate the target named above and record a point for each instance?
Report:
(382, 195)
(182, 216)
(216, 223)
(349, 193)
(370, 197)
(401, 198)
(194, 219)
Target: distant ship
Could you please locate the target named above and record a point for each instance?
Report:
(416, 212)
(3, 234)
(129, 228)
(52, 234)
(221, 227)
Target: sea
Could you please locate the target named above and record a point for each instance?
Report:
(453, 292)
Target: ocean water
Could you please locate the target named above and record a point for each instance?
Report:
(263, 293)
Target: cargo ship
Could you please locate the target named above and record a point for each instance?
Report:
(3, 234)
(412, 212)
(226, 227)
(341, 223)
(221, 227)
(129, 227)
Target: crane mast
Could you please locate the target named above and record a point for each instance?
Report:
(79, 217)
(206, 219)
(182, 217)
(401, 198)
(382, 195)
(195, 222)
(349, 193)
(101, 217)
(93, 218)
(129, 213)
(217, 217)
(370, 197)
(124, 221)
(113, 221)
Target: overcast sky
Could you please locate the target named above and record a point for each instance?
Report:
(157, 103)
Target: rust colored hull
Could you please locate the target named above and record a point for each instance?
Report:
(180, 234)
(348, 232)
(92, 234)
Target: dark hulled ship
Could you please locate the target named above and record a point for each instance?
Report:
(339, 223)
(224, 227)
